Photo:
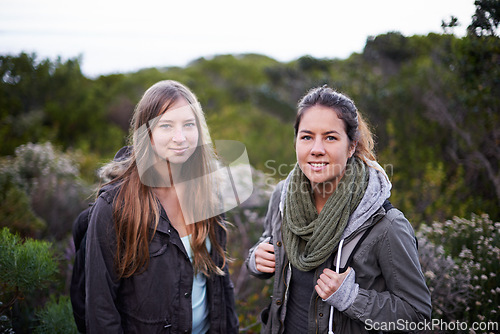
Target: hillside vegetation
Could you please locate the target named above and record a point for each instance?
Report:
(433, 102)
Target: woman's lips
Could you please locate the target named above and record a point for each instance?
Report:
(179, 151)
(318, 166)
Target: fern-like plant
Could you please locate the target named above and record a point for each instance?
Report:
(56, 317)
(25, 266)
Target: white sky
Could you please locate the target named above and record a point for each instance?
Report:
(121, 36)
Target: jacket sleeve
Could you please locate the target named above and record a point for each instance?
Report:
(406, 296)
(101, 284)
(269, 221)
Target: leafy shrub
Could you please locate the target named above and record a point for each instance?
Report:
(50, 180)
(15, 206)
(25, 266)
(448, 283)
(472, 281)
(56, 317)
(5, 324)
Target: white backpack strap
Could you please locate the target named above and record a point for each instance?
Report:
(338, 261)
(346, 251)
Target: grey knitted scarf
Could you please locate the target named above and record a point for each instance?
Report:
(310, 238)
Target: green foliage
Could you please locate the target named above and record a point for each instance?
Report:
(486, 18)
(5, 324)
(41, 189)
(24, 266)
(40, 181)
(56, 317)
(473, 245)
(15, 207)
(449, 283)
(413, 90)
(391, 46)
(435, 115)
(52, 101)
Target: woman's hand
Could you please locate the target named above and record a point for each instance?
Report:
(265, 259)
(329, 282)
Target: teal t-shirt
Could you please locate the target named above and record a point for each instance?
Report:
(201, 322)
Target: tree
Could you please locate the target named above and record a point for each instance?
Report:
(486, 18)
(53, 101)
(25, 267)
(462, 95)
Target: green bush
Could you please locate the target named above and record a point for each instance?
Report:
(448, 282)
(25, 267)
(5, 324)
(56, 317)
(53, 191)
(15, 207)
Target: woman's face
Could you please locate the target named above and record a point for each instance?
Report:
(175, 136)
(322, 146)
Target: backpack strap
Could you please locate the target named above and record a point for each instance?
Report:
(80, 226)
(352, 246)
(387, 205)
(77, 284)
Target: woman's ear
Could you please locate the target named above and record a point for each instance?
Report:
(352, 150)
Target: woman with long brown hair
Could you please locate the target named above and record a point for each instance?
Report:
(343, 260)
(155, 255)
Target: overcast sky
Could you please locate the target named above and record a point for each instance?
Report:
(121, 36)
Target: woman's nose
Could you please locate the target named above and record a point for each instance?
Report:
(318, 148)
(179, 136)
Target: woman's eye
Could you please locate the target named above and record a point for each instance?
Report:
(331, 138)
(306, 138)
(165, 126)
(190, 124)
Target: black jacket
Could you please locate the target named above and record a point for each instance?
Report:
(157, 300)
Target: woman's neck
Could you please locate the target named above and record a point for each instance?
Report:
(169, 199)
(170, 173)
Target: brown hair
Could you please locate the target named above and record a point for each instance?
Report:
(357, 129)
(136, 210)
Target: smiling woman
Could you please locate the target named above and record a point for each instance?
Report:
(337, 195)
